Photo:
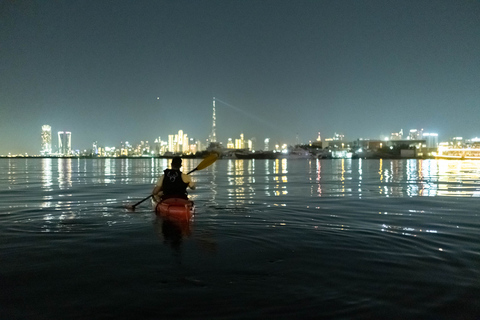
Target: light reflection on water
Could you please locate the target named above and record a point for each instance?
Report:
(314, 231)
(342, 177)
(249, 181)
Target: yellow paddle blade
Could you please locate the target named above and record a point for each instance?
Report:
(208, 161)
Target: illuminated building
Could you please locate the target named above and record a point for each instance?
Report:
(415, 134)
(240, 143)
(250, 144)
(193, 146)
(171, 143)
(396, 135)
(199, 145)
(183, 145)
(46, 148)
(64, 143)
(179, 143)
(431, 140)
(457, 141)
(95, 148)
(158, 145)
(230, 144)
(267, 144)
(213, 135)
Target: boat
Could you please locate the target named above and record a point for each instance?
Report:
(176, 209)
(296, 153)
(458, 153)
(256, 155)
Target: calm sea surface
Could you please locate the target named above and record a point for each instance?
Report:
(284, 239)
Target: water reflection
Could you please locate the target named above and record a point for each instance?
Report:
(241, 180)
(458, 178)
(396, 178)
(12, 171)
(47, 180)
(318, 177)
(280, 177)
(360, 172)
(172, 232)
(359, 178)
(64, 169)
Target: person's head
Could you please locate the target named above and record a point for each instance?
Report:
(176, 162)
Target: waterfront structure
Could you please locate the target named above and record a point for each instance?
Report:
(46, 148)
(64, 143)
(266, 144)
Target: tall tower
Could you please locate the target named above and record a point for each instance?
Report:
(46, 140)
(64, 143)
(213, 136)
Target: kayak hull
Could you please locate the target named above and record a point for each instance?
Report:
(175, 209)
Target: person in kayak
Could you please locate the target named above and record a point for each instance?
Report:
(173, 183)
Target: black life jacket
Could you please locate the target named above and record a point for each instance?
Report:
(173, 184)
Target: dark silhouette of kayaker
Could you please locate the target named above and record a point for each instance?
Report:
(173, 183)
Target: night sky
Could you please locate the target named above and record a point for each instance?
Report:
(112, 71)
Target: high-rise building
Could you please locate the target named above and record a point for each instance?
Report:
(95, 148)
(213, 135)
(431, 140)
(182, 145)
(396, 135)
(240, 143)
(46, 148)
(64, 143)
(415, 134)
(230, 144)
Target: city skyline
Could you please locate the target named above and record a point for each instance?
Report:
(283, 70)
(180, 143)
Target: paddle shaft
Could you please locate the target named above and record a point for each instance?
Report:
(136, 204)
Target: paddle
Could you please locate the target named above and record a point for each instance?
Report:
(208, 161)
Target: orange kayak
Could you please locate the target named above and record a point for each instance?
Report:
(175, 209)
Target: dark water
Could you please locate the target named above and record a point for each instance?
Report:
(296, 239)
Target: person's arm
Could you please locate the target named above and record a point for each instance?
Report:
(158, 187)
(187, 179)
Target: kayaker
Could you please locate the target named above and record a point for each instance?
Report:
(173, 183)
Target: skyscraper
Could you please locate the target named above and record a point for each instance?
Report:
(431, 140)
(213, 136)
(64, 143)
(46, 148)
